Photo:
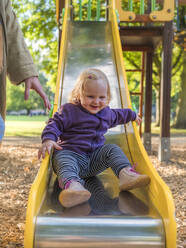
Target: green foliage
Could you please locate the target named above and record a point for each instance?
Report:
(94, 7)
(26, 118)
(15, 97)
(38, 21)
(133, 61)
(138, 6)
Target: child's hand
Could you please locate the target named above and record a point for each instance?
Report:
(138, 119)
(47, 147)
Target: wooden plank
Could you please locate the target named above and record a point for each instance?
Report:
(135, 93)
(166, 80)
(140, 18)
(131, 70)
(140, 38)
(141, 90)
(141, 31)
(137, 48)
(182, 2)
(148, 93)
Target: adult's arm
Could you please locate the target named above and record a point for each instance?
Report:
(20, 65)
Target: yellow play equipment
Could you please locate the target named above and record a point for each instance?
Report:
(166, 14)
(140, 218)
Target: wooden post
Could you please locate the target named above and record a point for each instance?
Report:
(148, 92)
(141, 90)
(148, 103)
(164, 146)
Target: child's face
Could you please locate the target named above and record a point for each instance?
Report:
(94, 96)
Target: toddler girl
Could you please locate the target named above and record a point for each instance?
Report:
(80, 126)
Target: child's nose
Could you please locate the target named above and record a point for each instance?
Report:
(96, 100)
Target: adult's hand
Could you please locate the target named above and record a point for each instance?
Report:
(34, 84)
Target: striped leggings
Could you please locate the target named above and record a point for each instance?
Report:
(69, 165)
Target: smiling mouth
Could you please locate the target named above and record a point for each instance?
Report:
(95, 107)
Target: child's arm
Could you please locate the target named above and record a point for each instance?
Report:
(47, 147)
(122, 116)
(54, 129)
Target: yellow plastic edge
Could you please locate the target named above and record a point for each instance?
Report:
(39, 185)
(36, 196)
(61, 62)
(159, 193)
(166, 14)
(124, 15)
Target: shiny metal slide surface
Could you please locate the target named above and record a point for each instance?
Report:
(98, 232)
(90, 46)
(109, 218)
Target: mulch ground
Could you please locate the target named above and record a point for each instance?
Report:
(19, 166)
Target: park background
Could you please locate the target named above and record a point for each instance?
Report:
(25, 120)
(38, 21)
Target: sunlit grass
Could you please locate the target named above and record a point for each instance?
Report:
(34, 118)
(33, 126)
(173, 131)
(24, 125)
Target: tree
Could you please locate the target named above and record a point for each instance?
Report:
(177, 86)
(133, 62)
(38, 22)
(15, 97)
(180, 120)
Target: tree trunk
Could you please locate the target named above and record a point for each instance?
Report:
(180, 121)
(28, 111)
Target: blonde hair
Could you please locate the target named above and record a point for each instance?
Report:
(87, 76)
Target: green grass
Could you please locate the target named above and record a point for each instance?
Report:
(33, 126)
(26, 118)
(173, 131)
(24, 125)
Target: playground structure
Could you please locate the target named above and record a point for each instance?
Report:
(143, 31)
(147, 217)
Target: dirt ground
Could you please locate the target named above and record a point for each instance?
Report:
(18, 168)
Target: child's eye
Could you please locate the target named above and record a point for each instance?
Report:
(102, 97)
(90, 96)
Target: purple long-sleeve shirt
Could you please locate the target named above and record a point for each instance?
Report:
(83, 132)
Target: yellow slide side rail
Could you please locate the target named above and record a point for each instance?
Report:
(61, 62)
(39, 186)
(158, 192)
(35, 199)
(164, 15)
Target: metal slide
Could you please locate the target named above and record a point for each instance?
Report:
(139, 218)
